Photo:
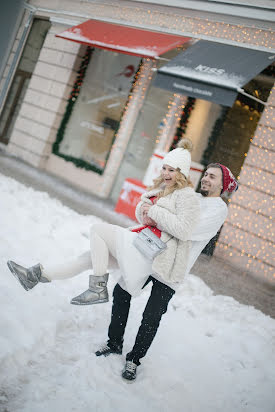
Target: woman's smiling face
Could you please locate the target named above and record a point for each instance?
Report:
(169, 175)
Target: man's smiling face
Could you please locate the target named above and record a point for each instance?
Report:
(211, 182)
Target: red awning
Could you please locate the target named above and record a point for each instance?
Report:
(122, 39)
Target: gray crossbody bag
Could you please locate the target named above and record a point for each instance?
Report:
(149, 244)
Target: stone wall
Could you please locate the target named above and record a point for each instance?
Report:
(46, 98)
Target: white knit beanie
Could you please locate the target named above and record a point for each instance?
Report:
(180, 157)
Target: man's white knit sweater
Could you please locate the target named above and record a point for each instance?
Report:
(213, 214)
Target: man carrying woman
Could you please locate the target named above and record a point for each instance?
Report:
(175, 214)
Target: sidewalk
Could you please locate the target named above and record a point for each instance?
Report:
(77, 199)
(220, 276)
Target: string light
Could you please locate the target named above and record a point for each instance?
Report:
(188, 26)
(69, 108)
(140, 86)
(252, 231)
(170, 122)
(248, 232)
(183, 121)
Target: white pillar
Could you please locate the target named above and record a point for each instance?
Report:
(247, 238)
(171, 122)
(126, 125)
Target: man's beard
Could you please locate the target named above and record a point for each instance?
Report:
(204, 193)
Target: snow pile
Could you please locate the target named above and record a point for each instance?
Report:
(211, 353)
(34, 228)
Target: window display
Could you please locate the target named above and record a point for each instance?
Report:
(95, 117)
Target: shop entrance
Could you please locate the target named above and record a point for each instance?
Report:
(22, 77)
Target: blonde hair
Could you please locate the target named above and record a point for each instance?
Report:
(181, 181)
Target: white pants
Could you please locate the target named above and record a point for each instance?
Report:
(100, 257)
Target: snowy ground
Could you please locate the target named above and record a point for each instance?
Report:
(211, 353)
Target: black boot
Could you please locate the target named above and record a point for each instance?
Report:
(130, 371)
(108, 349)
(28, 277)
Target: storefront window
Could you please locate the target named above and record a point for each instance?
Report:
(147, 129)
(91, 127)
(143, 139)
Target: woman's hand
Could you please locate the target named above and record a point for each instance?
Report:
(148, 221)
(145, 218)
(145, 208)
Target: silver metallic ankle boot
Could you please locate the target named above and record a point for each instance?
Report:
(97, 292)
(28, 277)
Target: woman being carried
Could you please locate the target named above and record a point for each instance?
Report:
(171, 211)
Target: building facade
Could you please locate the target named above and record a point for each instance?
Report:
(95, 118)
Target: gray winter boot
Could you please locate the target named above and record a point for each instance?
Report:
(97, 292)
(28, 277)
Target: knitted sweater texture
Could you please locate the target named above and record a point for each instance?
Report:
(177, 215)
